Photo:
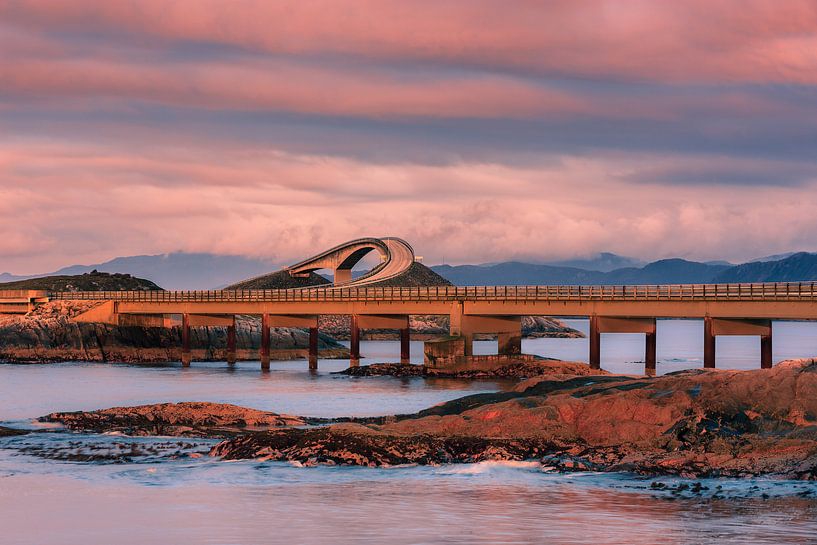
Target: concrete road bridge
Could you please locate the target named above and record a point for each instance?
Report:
(726, 309)
(396, 256)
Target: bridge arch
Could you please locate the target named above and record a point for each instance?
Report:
(396, 256)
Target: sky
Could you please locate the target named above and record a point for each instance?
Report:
(480, 130)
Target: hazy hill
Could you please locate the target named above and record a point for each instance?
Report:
(798, 267)
(516, 273)
(209, 271)
(604, 262)
(666, 271)
(175, 271)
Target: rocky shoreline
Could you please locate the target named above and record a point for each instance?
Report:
(515, 370)
(426, 327)
(186, 419)
(48, 335)
(692, 424)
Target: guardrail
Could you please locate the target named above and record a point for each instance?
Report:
(776, 291)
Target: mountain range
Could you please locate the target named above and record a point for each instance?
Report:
(797, 267)
(195, 271)
(178, 270)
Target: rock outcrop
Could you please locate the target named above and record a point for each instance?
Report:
(424, 327)
(540, 368)
(697, 423)
(279, 280)
(48, 334)
(92, 281)
(11, 432)
(190, 419)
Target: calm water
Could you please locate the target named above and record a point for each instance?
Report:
(206, 501)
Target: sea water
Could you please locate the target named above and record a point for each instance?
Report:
(203, 500)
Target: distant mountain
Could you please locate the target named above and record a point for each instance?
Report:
(210, 271)
(7, 277)
(179, 270)
(775, 257)
(515, 273)
(604, 262)
(798, 267)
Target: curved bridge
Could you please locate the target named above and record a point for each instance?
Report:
(396, 256)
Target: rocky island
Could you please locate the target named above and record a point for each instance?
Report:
(695, 423)
(692, 423)
(186, 419)
(47, 334)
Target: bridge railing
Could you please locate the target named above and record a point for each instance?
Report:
(775, 291)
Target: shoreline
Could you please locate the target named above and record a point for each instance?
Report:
(37, 356)
(690, 424)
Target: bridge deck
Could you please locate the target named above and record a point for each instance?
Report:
(769, 292)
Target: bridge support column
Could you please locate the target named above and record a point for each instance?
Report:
(509, 343)
(405, 346)
(342, 276)
(313, 348)
(709, 344)
(354, 343)
(650, 351)
(766, 351)
(231, 343)
(595, 343)
(265, 342)
(186, 356)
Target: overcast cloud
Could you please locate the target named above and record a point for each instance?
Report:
(479, 131)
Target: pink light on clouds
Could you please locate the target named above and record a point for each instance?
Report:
(477, 131)
(691, 40)
(256, 204)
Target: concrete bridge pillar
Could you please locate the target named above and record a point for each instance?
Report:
(455, 321)
(342, 276)
(735, 326)
(595, 343)
(623, 324)
(313, 348)
(265, 342)
(709, 344)
(766, 351)
(354, 342)
(405, 345)
(186, 355)
(231, 342)
(650, 354)
(509, 343)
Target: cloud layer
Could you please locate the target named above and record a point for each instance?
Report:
(479, 133)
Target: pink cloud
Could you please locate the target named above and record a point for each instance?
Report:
(282, 86)
(87, 203)
(691, 40)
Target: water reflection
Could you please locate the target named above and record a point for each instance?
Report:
(497, 506)
(207, 501)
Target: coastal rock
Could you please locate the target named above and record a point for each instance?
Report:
(542, 369)
(424, 327)
(353, 444)
(191, 419)
(697, 423)
(11, 432)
